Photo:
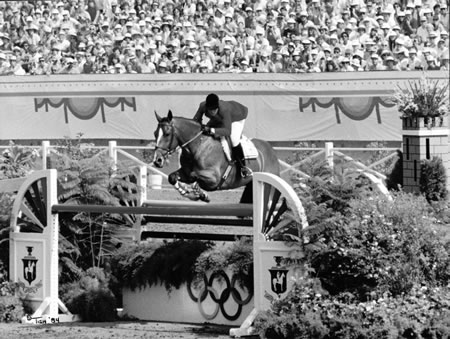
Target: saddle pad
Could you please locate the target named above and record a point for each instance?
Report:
(250, 151)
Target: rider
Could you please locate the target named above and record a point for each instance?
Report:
(227, 118)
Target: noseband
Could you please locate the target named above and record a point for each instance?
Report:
(169, 151)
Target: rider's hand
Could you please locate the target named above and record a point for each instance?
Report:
(208, 130)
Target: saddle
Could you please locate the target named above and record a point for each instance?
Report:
(250, 151)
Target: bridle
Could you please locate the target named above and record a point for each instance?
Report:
(169, 151)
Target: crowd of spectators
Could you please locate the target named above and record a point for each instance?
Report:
(203, 36)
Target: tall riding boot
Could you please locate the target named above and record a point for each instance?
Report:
(238, 154)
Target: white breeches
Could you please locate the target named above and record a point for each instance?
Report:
(236, 132)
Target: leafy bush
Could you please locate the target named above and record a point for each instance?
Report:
(328, 192)
(90, 297)
(236, 257)
(13, 305)
(383, 246)
(381, 270)
(17, 161)
(6, 203)
(308, 312)
(433, 179)
(394, 178)
(150, 263)
(11, 309)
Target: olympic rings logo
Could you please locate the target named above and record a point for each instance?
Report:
(221, 299)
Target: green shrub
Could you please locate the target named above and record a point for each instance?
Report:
(433, 179)
(307, 312)
(90, 297)
(236, 257)
(383, 246)
(13, 303)
(394, 178)
(380, 270)
(95, 305)
(156, 262)
(11, 309)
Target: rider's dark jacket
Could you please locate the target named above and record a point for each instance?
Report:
(229, 111)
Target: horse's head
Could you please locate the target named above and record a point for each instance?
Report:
(166, 140)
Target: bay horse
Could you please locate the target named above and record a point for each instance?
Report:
(203, 162)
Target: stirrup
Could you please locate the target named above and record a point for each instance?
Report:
(246, 172)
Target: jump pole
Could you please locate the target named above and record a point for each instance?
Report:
(34, 256)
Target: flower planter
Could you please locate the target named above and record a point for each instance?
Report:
(222, 302)
(415, 123)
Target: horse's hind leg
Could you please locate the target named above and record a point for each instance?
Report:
(247, 195)
(202, 195)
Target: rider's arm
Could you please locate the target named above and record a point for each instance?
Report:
(224, 129)
(199, 115)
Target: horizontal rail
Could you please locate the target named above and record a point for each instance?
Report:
(196, 221)
(379, 162)
(371, 149)
(291, 169)
(359, 165)
(238, 210)
(136, 147)
(186, 235)
(142, 163)
(173, 203)
(296, 164)
(281, 148)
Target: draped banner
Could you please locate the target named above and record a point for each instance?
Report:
(278, 111)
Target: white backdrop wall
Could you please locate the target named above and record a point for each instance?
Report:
(283, 107)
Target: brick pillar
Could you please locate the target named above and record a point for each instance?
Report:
(423, 139)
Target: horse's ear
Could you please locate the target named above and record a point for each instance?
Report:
(170, 116)
(158, 117)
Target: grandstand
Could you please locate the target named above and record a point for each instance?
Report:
(225, 36)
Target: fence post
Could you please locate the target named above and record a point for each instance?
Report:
(45, 145)
(142, 184)
(112, 151)
(329, 154)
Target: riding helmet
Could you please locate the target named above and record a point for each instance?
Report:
(212, 101)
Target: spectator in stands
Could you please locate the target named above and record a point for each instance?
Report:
(391, 64)
(273, 37)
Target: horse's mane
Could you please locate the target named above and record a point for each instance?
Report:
(188, 120)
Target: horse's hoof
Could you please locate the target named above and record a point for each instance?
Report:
(204, 197)
(191, 196)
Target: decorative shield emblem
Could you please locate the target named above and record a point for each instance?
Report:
(278, 276)
(29, 266)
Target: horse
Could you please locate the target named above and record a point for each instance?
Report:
(203, 162)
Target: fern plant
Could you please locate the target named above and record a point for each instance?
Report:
(88, 237)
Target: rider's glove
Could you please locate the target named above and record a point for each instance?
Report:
(208, 130)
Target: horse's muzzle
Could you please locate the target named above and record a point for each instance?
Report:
(158, 161)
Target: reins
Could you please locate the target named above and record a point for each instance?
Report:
(169, 151)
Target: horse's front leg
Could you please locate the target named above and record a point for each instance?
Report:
(180, 179)
(176, 179)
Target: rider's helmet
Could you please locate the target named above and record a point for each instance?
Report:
(212, 101)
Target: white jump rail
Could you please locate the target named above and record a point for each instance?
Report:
(328, 152)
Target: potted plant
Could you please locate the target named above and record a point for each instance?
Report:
(423, 103)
